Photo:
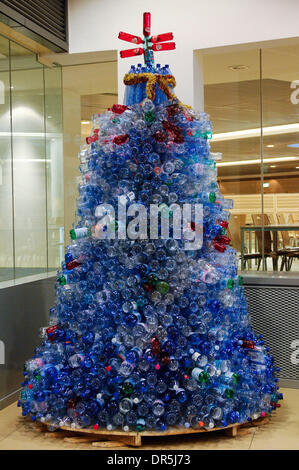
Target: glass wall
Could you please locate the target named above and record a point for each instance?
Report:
(6, 204)
(280, 148)
(31, 185)
(252, 96)
(54, 166)
(88, 89)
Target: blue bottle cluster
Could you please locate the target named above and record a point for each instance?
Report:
(145, 335)
(136, 94)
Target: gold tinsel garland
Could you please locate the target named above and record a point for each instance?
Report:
(151, 79)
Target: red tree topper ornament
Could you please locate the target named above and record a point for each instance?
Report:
(150, 43)
(168, 46)
(146, 24)
(130, 38)
(162, 37)
(131, 52)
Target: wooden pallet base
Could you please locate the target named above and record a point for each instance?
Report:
(119, 438)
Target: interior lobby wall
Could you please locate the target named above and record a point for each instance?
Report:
(94, 26)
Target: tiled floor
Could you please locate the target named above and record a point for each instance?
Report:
(281, 433)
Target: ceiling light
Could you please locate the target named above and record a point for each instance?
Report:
(31, 160)
(293, 145)
(50, 117)
(40, 135)
(246, 133)
(85, 122)
(258, 161)
(237, 68)
(266, 185)
(270, 145)
(297, 167)
(272, 166)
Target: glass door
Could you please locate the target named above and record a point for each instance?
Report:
(31, 185)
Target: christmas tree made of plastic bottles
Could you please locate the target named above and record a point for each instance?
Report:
(144, 334)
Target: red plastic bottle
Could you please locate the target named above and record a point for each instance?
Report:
(146, 24)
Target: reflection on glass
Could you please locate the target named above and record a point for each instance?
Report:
(54, 165)
(28, 140)
(6, 208)
(232, 99)
(87, 89)
(244, 91)
(280, 85)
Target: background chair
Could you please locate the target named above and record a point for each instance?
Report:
(294, 235)
(288, 252)
(234, 228)
(268, 252)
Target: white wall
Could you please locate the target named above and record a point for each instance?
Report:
(197, 24)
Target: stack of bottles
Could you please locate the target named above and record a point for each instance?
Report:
(137, 93)
(145, 335)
